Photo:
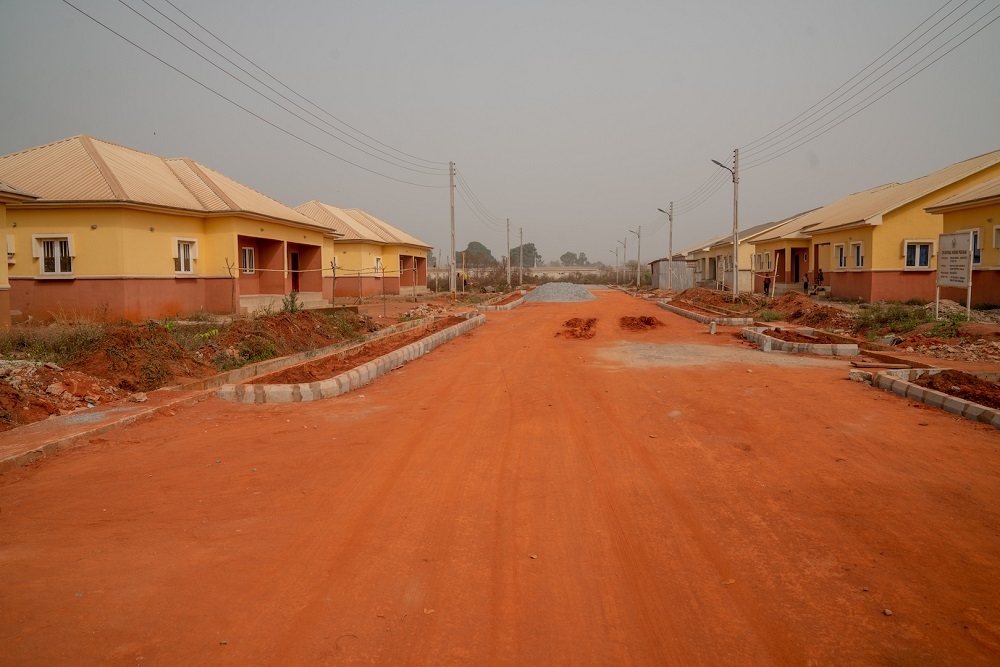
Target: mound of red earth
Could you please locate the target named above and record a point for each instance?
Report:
(706, 296)
(138, 357)
(797, 308)
(799, 337)
(964, 386)
(642, 323)
(579, 328)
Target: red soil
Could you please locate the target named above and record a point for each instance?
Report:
(964, 386)
(581, 328)
(642, 323)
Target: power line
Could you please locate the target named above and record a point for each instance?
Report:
(861, 106)
(778, 145)
(476, 213)
(437, 172)
(297, 94)
(464, 183)
(749, 147)
(240, 106)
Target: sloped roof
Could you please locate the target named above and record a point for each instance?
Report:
(842, 207)
(85, 169)
(872, 204)
(15, 193)
(984, 193)
(752, 233)
(356, 225)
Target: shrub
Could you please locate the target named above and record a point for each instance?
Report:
(56, 343)
(769, 316)
(291, 303)
(892, 317)
(949, 326)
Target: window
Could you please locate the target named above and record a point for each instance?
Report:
(56, 257)
(841, 255)
(247, 255)
(183, 256)
(857, 251)
(918, 254)
(996, 238)
(977, 250)
(10, 248)
(378, 267)
(767, 255)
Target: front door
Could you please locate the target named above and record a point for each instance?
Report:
(295, 271)
(795, 267)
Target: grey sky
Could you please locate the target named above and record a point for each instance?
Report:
(575, 119)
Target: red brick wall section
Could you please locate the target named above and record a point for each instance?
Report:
(135, 299)
(902, 285)
(985, 289)
(849, 284)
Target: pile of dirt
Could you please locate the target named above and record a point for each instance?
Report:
(707, 296)
(248, 340)
(30, 392)
(964, 386)
(138, 357)
(642, 323)
(579, 328)
(340, 363)
(797, 308)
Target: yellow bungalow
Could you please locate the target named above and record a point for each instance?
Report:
(124, 233)
(882, 246)
(976, 210)
(713, 262)
(371, 255)
(8, 195)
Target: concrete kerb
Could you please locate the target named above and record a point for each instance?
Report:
(705, 319)
(899, 382)
(245, 373)
(349, 380)
(507, 306)
(770, 344)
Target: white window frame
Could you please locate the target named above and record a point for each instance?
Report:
(840, 255)
(192, 245)
(977, 246)
(916, 243)
(379, 267)
(68, 251)
(10, 249)
(996, 236)
(248, 259)
(767, 256)
(858, 252)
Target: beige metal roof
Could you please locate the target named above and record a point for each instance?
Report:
(14, 194)
(84, 169)
(356, 225)
(984, 193)
(869, 206)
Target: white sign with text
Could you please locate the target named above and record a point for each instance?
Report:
(954, 261)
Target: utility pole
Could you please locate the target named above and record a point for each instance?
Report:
(624, 260)
(451, 257)
(520, 260)
(670, 249)
(508, 252)
(616, 263)
(638, 268)
(735, 171)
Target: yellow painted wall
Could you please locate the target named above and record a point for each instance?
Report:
(847, 237)
(97, 251)
(983, 218)
(353, 256)
(4, 283)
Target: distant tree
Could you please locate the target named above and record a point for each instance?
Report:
(431, 259)
(582, 258)
(568, 259)
(476, 256)
(531, 256)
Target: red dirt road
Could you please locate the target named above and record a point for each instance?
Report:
(521, 498)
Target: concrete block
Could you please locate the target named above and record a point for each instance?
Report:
(986, 416)
(278, 393)
(954, 405)
(935, 399)
(915, 392)
(996, 420)
(973, 411)
(859, 376)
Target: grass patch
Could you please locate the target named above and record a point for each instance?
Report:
(769, 316)
(59, 344)
(891, 317)
(949, 326)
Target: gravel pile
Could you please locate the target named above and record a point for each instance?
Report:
(559, 293)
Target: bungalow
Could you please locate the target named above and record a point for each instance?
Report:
(372, 256)
(8, 195)
(882, 245)
(124, 233)
(975, 210)
(714, 262)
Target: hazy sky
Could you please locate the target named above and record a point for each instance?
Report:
(576, 120)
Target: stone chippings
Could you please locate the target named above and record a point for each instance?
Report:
(559, 293)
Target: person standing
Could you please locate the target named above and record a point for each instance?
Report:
(767, 286)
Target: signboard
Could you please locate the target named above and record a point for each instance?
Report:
(954, 260)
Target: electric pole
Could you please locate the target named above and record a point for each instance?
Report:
(638, 255)
(624, 260)
(508, 252)
(735, 171)
(520, 260)
(451, 258)
(670, 249)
